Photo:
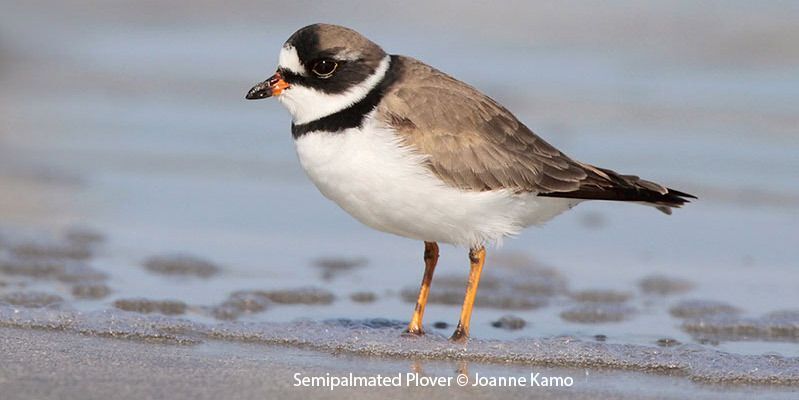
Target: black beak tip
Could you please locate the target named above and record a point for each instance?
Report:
(258, 92)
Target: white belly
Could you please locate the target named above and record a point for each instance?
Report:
(386, 187)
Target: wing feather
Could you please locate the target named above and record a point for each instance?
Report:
(473, 143)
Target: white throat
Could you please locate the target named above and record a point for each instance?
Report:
(307, 104)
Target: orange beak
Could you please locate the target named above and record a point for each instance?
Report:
(268, 88)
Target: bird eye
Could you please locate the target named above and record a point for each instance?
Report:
(324, 68)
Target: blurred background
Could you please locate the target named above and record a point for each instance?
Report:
(128, 118)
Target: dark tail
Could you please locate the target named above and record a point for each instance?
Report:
(604, 184)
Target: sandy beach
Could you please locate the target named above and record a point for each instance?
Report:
(87, 367)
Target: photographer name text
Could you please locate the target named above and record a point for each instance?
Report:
(413, 379)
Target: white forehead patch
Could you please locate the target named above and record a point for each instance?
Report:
(290, 60)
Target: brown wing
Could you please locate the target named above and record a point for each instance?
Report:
(474, 143)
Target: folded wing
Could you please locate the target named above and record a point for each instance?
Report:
(473, 143)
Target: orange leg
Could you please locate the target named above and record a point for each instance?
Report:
(477, 258)
(430, 260)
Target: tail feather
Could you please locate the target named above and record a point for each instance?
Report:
(604, 184)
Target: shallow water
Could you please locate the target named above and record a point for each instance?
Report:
(133, 173)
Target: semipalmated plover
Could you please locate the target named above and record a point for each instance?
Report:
(409, 150)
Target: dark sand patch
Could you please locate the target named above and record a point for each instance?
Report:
(65, 270)
(509, 322)
(667, 342)
(31, 299)
(304, 295)
(664, 285)
(47, 268)
(181, 265)
(597, 313)
(363, 297)
(332, 267)
(440, 325)
(781, 325)
(50, 249)
(90, 291)
(147, 306)
(238, 303)
(701, 308)
(600, 296)
(255, 301)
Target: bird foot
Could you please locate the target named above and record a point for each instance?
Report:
(413, 332)
(460, 335)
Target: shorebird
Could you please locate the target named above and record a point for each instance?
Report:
(409, 150)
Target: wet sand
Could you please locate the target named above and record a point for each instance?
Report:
(88, 367)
